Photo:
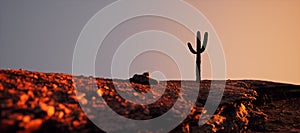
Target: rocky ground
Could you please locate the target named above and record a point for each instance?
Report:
(52, 102)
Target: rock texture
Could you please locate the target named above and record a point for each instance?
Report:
(49, 102)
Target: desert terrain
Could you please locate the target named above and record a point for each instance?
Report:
(55, 102)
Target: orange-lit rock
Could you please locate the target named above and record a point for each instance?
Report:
(44, 89)
(30, 93)
(24, 97)
(84, 101)
(43, 106)
(26, 118)
(106, 87)
(1, 87)
(67, 111)
(76, 123)
(64, 108)
(34, 125)
(60, 114)
(11, 91)
(54, 86)
(111, 94)
(100, 92)
(50, 111)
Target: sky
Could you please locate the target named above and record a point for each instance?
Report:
(260, 39)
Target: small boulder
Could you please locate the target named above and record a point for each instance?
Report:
(143, 79)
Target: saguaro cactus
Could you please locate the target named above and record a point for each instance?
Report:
(198, 52)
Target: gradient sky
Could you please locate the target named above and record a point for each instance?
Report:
(260, 39)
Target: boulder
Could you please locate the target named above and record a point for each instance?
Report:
(143, 79)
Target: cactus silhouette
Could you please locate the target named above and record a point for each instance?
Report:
(198, 52)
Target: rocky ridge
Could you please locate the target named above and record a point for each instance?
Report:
(53, 102)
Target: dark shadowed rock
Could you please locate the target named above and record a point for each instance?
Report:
(143, 79)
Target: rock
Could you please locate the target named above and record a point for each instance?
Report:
(24, 97)
(50, 111)
(26, 118)
(100, 92)
(76, 123)
(60, 114)
(1, 87)
(143, 79)
(54, 86)
(34, 125)
(135, 94)
(67, 111)
(84, 101)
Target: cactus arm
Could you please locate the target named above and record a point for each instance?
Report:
(191, 48)
(204, 42)
(198, 40)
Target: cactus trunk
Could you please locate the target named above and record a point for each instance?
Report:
(198, 68)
